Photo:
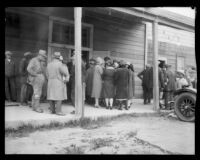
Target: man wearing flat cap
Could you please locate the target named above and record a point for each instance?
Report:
(10, 72)
(56, 87)
(170, 85)
(26, 89)
(36, 78)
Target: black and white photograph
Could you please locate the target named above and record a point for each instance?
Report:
(100, 80)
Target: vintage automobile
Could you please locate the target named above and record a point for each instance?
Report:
(184, 104)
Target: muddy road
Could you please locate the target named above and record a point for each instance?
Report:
(125, 135)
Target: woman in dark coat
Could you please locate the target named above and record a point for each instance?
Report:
(131, 88)
(108, 89)
(89, 80)
(121, 79)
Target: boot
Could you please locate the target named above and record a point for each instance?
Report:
(36, 106)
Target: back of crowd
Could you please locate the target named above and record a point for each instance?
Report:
(105, 83)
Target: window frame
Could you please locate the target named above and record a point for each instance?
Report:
(66, 21)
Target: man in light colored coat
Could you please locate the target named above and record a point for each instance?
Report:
(56, 87)
(36, 78)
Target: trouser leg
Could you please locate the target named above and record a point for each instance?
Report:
(167, 95)
(23, 93)
(29, 92)
(13, 88)
(58, 106)
(145, 94)
(52, 106)
(37, 91)
(73, 96)
(7, 92)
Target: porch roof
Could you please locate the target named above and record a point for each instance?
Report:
(163, 17)
(148, 14)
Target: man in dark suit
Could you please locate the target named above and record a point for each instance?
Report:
(147, 83)
(170, 86)
(10, 73)
(161, 76)
(26, 89)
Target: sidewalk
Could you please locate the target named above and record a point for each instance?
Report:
(16, 116)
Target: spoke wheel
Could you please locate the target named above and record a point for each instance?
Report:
(185, 106)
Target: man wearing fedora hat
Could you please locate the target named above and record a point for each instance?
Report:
(36, 78)
(56, 87)
(26, 89)
(10, 72)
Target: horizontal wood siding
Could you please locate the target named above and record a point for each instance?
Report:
(33, 35)
(171, 51)
(125, 41)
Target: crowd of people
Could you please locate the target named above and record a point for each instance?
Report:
(105, 82)
(169, 82)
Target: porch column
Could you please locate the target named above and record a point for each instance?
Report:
(155, 66)
(78, 78)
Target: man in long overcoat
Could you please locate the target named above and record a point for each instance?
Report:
(170, 85)
(56, 87)
(121, 81)
(147, 83)
(10, 73)
(26, 89)
(36, 78)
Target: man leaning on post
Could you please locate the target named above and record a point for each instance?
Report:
(36, 78)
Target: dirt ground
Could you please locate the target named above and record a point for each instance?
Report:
(125, 135)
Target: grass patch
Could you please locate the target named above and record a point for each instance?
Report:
(73, 149)
(100, 142)
(85, 123)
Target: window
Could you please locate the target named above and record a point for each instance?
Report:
(12, 25)
(180, 63)
(63, 33)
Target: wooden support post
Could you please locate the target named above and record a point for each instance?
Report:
(155, 66)
(146, 46)
(78, 62)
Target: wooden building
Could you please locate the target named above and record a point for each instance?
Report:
(121, 33)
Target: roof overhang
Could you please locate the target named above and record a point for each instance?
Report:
(151, 15)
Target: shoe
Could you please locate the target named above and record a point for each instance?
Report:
(60, 114)
(39, 110)
(73, 112)
(24, 104)
(96, 106)
(111, 108)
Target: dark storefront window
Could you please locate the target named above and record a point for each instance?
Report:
(12, 27)
(26, 27)
(64, 34)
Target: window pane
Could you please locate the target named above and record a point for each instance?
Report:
(64, 34)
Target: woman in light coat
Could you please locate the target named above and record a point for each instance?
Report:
(97, 80)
